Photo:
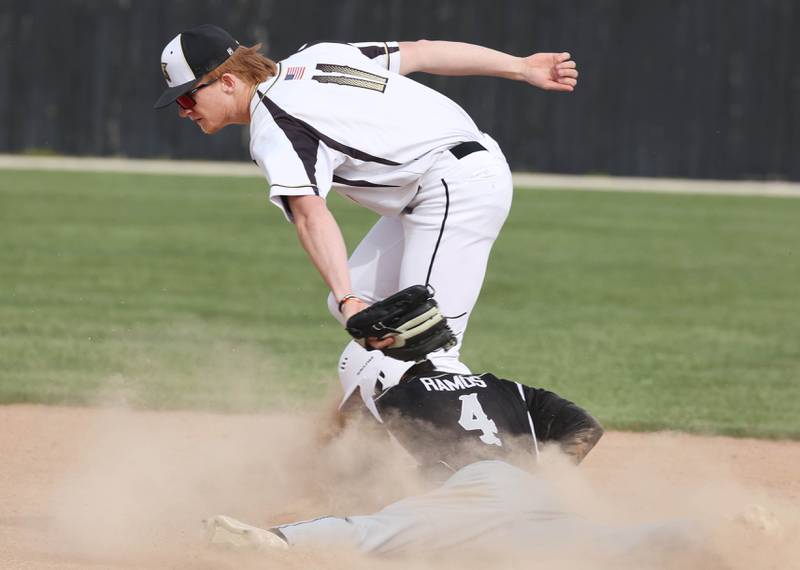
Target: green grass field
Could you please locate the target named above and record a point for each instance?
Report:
(653, 311)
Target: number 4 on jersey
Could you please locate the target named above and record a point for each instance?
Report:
(474, 418)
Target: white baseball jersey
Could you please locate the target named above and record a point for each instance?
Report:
(341, 114)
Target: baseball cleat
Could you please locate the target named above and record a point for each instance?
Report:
(227, 531)
(762, 520)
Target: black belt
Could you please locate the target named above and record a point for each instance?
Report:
(466, 148)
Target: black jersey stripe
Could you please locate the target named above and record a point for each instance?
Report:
(374, 51)
(298, 186)
(287, 207)
(521, 391)
(305, 133)
(303, 141)
(361, 183)
(369, 51)
(441, 230)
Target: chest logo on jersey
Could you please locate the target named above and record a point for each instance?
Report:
(295, 73)
(457, 382)
(350, 77)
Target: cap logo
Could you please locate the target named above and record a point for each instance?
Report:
(164, 71)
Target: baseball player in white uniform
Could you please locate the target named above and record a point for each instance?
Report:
(345, 117)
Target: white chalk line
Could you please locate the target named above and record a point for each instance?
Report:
(521, 179)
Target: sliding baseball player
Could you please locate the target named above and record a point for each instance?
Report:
(476, 427)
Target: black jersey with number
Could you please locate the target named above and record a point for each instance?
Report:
(459, 418)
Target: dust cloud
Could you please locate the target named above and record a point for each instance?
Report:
(132, 488)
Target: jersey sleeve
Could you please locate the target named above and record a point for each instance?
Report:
(558, 420)
(295, 162)
(385, 54)
(554, 417)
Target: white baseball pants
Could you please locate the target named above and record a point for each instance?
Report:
(442, 238)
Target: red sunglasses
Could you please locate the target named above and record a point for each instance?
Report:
(186, 101)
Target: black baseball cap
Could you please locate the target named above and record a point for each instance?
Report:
(189, 56)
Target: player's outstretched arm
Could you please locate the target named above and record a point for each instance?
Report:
(322, 239)
(580, 442)
(320, 236)
(560, 421)
(549, 71)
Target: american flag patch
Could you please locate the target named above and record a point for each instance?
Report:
(295, 73)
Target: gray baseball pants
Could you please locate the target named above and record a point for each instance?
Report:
(488, 504)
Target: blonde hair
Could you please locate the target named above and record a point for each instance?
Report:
(247, 64)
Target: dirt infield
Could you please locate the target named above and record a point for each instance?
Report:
(119, 489)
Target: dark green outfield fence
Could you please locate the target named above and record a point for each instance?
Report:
(690, 88)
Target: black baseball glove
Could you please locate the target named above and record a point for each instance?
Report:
(412, 317)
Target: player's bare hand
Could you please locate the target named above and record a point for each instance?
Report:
(550, 71)
(355, 306)
(352, 306)
(378, 343)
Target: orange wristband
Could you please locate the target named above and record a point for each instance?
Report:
(348, 297)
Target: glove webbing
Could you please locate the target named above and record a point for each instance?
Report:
(416, 326)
